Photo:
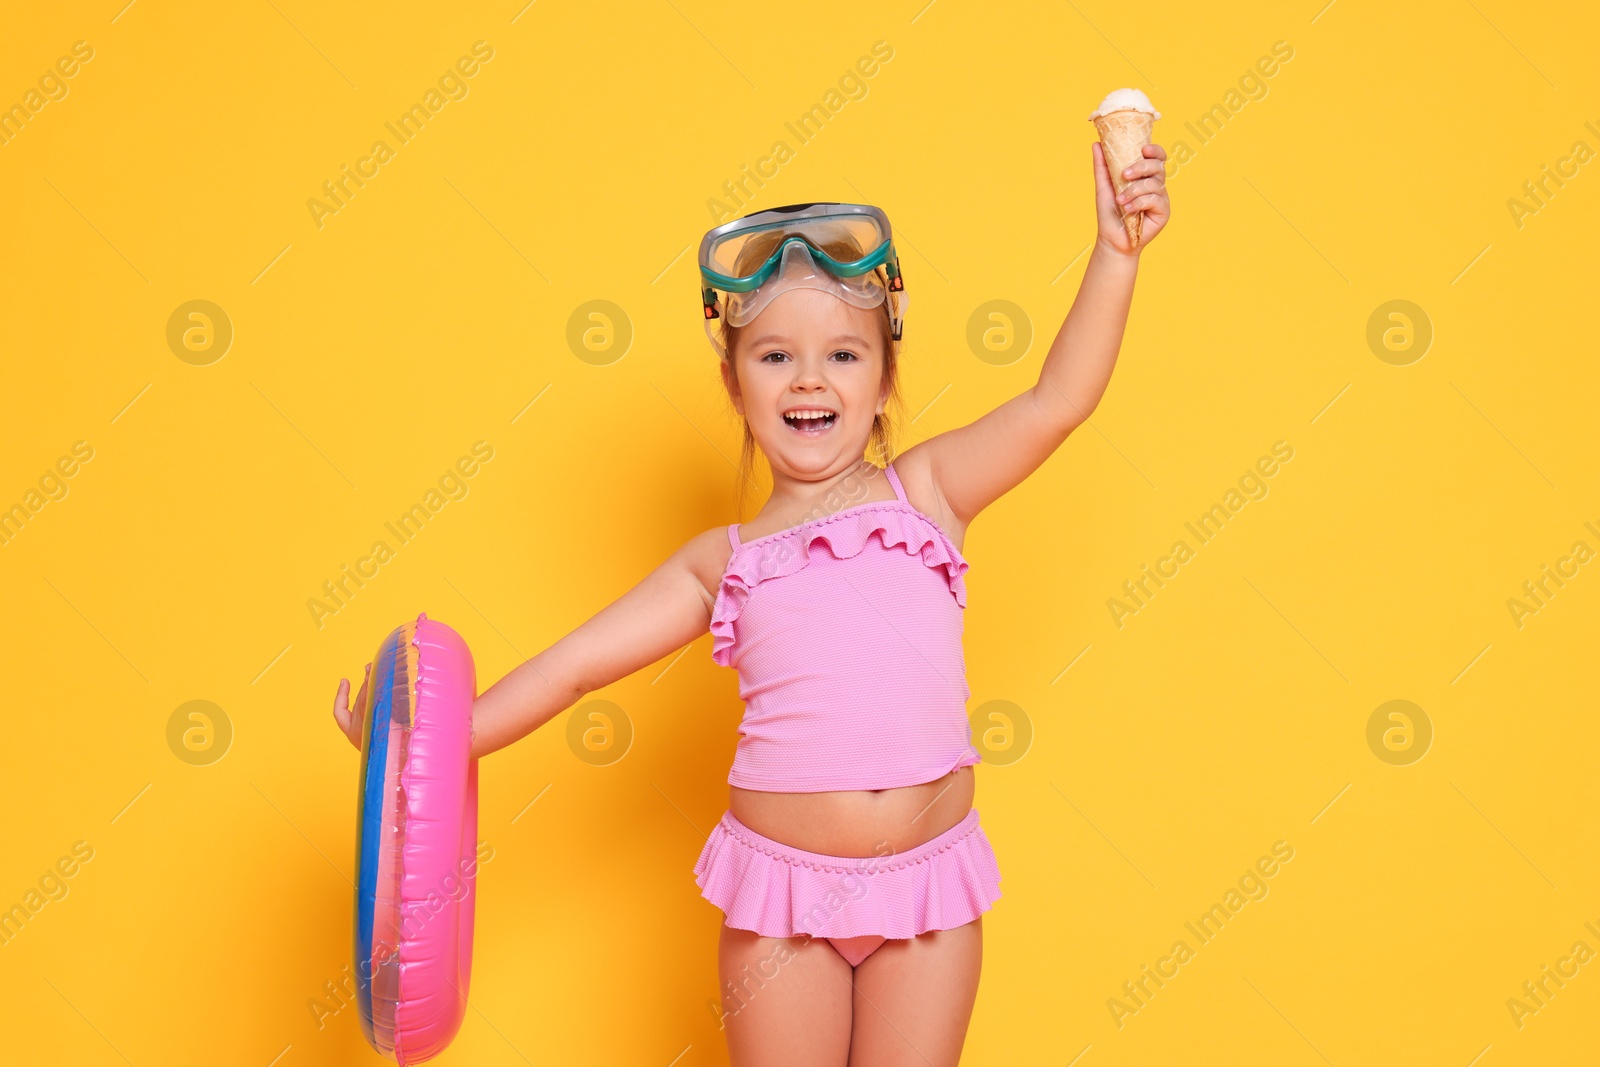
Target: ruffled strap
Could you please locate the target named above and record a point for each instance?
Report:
(845, 533)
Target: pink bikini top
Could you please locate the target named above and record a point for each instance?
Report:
(846, 633)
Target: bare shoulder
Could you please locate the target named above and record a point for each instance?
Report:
(706, 555)
(915, 468)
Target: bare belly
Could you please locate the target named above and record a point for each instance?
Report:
(857, 822)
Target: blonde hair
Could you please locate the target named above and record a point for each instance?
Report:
(880, 440)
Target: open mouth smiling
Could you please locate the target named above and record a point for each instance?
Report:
(810, 420)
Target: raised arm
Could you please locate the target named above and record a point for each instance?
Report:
(665, 611)
(975, 465)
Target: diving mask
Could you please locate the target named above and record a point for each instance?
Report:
(842, 249)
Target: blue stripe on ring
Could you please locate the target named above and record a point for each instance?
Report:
(374, 764)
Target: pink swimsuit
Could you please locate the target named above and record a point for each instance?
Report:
(846, 633)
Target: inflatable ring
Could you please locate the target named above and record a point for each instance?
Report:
(416, 842)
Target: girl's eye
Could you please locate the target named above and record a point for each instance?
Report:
(851, 357)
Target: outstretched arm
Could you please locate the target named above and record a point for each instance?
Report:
(664, 612)
(975, 465)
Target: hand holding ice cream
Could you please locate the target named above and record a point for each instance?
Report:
(1134, 193)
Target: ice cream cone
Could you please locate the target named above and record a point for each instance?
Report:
(1123, 135)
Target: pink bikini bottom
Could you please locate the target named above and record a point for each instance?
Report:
(778, 890)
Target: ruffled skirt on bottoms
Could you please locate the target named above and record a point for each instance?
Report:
(777, 890)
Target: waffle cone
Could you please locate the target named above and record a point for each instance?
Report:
(1123, 135)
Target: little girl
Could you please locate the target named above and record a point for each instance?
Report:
(850, 865)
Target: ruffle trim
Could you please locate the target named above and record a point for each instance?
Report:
(845, 533)
(780, 893)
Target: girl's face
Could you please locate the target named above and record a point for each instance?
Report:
(809, 352)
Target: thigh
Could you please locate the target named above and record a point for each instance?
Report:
(914, 998)
(786, 1001)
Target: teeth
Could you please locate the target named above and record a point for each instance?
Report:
(807, 413)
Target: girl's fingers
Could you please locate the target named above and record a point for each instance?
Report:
(341, 712)
(357, 712)
(1144, 168)
(1143, 185)
(1102, 176)
(1148, 166)
(1104, 192)
(1147, 202)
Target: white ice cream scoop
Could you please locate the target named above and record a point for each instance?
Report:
(1125, 100)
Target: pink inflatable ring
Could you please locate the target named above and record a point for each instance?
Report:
(416, 842)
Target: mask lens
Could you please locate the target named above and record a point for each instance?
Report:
(744, 252)
(798, 270)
